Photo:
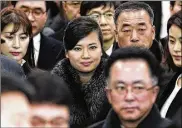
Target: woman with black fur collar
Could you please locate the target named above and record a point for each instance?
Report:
(83, 70)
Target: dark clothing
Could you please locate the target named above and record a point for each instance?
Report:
(157, 50)
(177, 101)
(48, 54)
(153, 120)
(11, 66)
(60, 33)
(90, 103)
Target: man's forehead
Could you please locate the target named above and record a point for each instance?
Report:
(133, 16)
(102, 9)
(129, 70)
(32, 4)
(133, 66)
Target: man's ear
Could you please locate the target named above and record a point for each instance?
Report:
(64, 6)
(153, 32)
(155, 92)
(116, 35)
(108, 94)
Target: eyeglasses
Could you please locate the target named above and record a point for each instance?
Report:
(137, 88)
(36, 121)
(97, 16)
(36, 13)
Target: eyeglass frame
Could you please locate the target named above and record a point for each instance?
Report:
(100, 15)
(32, 12)
(154, 83)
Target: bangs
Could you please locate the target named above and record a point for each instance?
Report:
(18, 19)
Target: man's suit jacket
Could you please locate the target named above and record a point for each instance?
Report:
(48, 53)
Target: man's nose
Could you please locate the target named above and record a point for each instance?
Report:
(30, 17)
(102, 20)
(129, 96)
(134, 36)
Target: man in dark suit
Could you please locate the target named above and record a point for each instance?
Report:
(46, 49)
(134, 27)
(133, 86)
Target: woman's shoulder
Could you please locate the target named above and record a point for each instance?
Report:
(61, 66)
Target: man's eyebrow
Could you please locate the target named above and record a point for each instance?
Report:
(93, 12)
(126, 25)
(24, 6)
(171, 37)
(142, 23)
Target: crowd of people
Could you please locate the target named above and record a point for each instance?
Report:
(95, 64)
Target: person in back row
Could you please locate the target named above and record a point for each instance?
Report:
(132, 89)
(134, 27)
(46, 49)
(170, 103)
(103, 13)
(83, 70)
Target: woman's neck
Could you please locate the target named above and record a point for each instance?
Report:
(85, 77)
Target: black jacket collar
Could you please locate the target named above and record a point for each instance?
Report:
(153, 120)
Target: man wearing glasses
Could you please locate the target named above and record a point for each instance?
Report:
(45, 49)
(134, 76)
(103, 13)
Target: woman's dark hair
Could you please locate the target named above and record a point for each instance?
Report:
(79, 28)
(14, 16)
(175, 19)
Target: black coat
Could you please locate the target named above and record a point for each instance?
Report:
(90, 103)
(177, 101)
(48, 54)
(153, 120)
(11, 66)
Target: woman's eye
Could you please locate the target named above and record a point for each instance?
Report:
(93, 47)
(76, 49)
(10, 37)
(171, 41)
(23, 37)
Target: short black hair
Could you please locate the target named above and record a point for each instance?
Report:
(47, 4)
(134, 6)
(11, 83)
(79, 28)
(86, 6)
(129, 53)
(172, 3)
(49, 88)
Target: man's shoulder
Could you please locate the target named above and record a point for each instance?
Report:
(50, 40)
(97, 125)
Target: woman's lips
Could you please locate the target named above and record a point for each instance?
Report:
(15, 53)
(177, 57)
(86, 63)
